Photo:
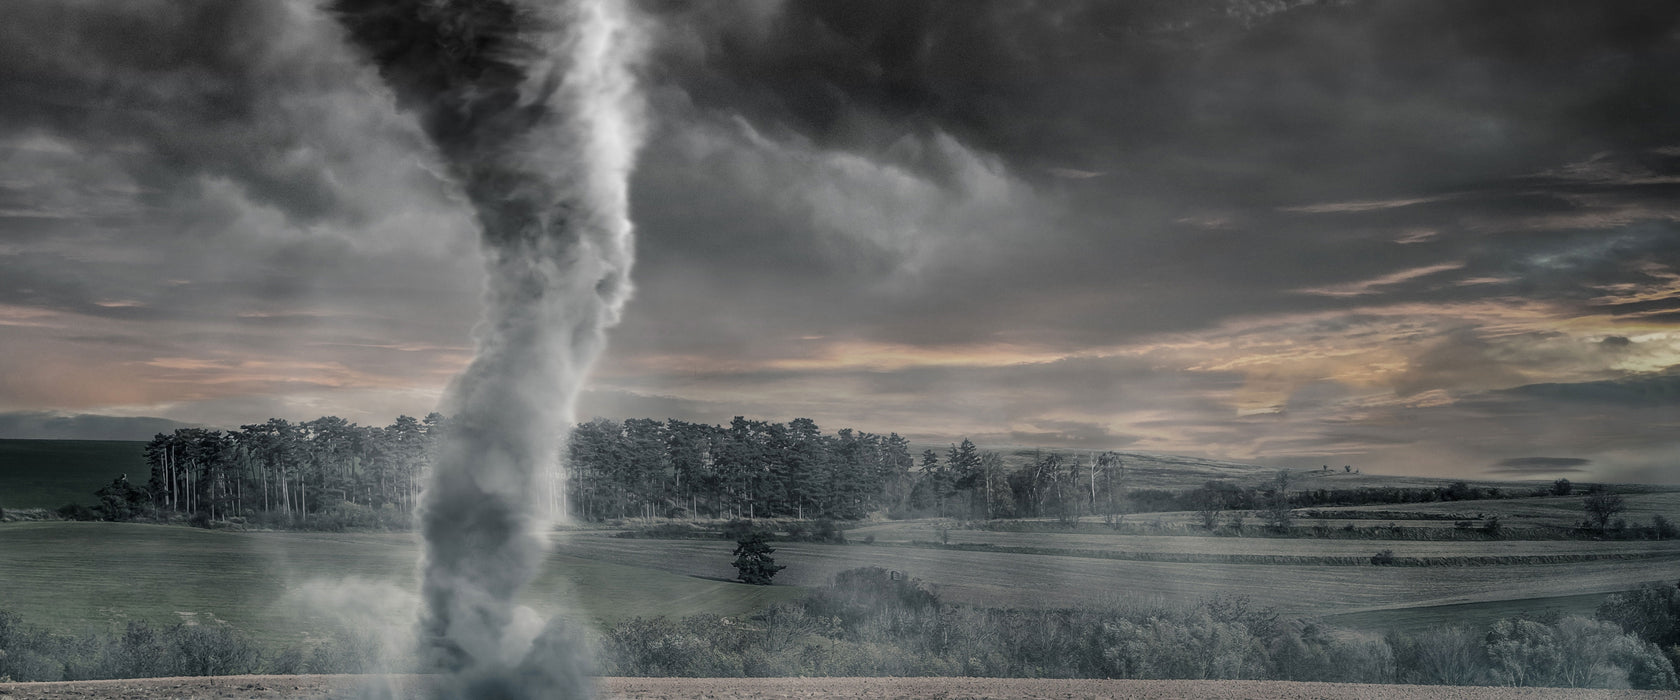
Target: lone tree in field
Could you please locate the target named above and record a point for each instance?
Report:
(1601, 506)
(752, 560)
(1209, 503)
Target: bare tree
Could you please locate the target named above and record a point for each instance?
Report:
(1602, 505)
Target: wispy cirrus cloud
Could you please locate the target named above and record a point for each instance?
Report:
(1375, 285)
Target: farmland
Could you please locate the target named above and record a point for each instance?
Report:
(1539, 511)
(74, 576)
(1003, 579)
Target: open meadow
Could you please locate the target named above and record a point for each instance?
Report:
(290, 588)
(75, 576)
(1009, 579)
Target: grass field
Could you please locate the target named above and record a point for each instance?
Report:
(1037, 580)
(1552, 511)
(72, 576)
(927, 531)
(282, 586)
(51, 473)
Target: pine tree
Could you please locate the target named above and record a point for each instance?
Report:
(753, 563)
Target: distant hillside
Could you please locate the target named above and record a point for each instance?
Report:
(1159, 471)
(51, 473)
(1144, 470)
(47, 425)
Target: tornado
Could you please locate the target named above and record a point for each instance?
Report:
(534, 110)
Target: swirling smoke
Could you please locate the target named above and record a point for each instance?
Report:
(534, 109)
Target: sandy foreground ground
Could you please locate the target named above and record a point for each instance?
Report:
(350, 688)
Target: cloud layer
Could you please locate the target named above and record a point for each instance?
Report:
(1422, 237)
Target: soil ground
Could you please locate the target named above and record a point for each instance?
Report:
(348, 688)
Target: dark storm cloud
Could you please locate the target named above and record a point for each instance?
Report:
(1190, 115)
(1423, 236)
(169, 92)
(1540, 466)
(1655, 391)
(1046, 83)
(210, 211)
(125, 77)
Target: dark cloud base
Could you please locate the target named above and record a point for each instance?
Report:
(1540, 466)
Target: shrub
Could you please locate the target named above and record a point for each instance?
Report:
(1198, 647)
(344, 515)
(121, 500)
(1651, 612)
(1383, 558)
(798, 531)
(1644, 664)
(740, 529)
(1522, 652)
(856, 594)
(666, 531)
(660, 647)
(76, 511)
(828, 531)
(140, 652)
(285, 663)
(213, 650)
(1448, 656)
(1663, 528)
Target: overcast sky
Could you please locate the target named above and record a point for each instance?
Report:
(1439, 238)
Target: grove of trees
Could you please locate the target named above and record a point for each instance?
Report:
(287, 473)
(329, 473)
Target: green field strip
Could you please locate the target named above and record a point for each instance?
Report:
(1291, 559)
(73, 576)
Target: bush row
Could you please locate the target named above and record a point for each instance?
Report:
(870, 622)
(143, 650)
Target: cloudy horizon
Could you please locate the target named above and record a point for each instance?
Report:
(1436, 238)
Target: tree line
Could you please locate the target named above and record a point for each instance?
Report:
(330, 473)
(282, 473)
(758, 469)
